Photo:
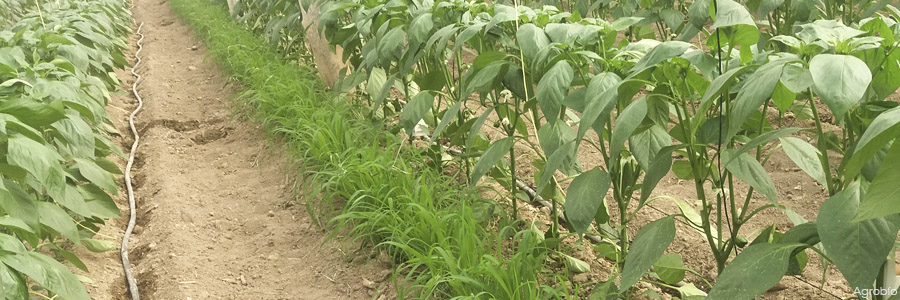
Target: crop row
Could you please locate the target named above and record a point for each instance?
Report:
(56, 75)
(684, 87)
(12, 10)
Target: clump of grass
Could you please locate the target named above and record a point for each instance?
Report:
(389, 200)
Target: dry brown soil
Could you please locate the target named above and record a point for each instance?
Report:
(216, 215)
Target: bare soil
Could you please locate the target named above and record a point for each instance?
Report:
(216, 214)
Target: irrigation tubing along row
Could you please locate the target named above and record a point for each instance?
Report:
(126, 265)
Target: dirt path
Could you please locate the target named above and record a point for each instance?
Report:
(216, 215)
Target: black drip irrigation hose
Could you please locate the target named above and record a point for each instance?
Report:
(126, 265)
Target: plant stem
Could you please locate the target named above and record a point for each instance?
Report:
(821, 143)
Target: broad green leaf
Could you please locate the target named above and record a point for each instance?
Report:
(621, 24)
(658, 169)
(97, 175)
(626, 123)
(76, 55)
(805, 156)
(554, 162)
(886, 81)
(857, 249)
(49, 273)
(12, 285)
(730, 13)
(754, 271)
(71, 258)
(415, 110)
(883, 197)
(17, 203)
(649, 244)
(419, 29)
(690, 292)
(490, 158)
(646, 144)
(449, 115)
(390, 44)
(377, 80)
(502, 13)
(600, 98)
(438, 41)
(33, 112)
(99, 245)
(100, 204)
(718, 85)
(840, 80)
(57, 219)
(577, 266)
(13, 57)
(783, 98)
(14, 81)
(11, 244)
(788, 40)
(584, 197)
(796, 78)
(673, 18)
(553, 135)
(108, 165)
(75, 202)
(55, 90)
(881, 131)
(745, 167)
(483, 80)
(805, 233)
(531, 40)
(660, 53)
(11, 123)
(553, 88)
(467, 33)
(476, 127)
(77, 134)
(64, 64)
(698, 13)
(755, 91)
(734, 15)
(683, 170)
(563, 32)
(670, 268)
(40, 161)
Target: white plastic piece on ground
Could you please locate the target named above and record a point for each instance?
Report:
(421, 129)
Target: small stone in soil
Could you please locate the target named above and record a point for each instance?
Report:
(194, 48)
(192, 68)
(271, 213)
(368, 283)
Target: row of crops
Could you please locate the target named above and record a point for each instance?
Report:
(12, 10)
(56, 180)
(695, 88)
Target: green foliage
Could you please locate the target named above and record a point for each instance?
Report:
(401, 207)
(57, 74)
(648, 99)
